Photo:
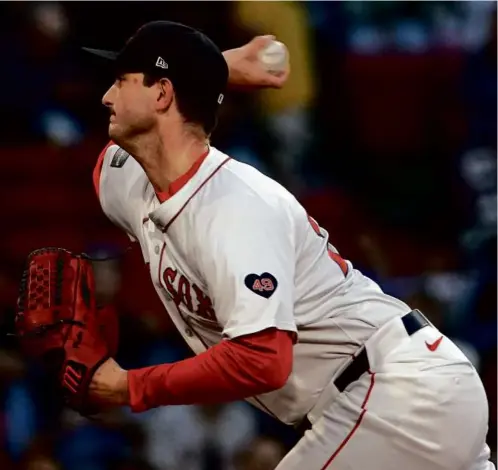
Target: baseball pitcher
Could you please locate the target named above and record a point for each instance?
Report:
(274, 314)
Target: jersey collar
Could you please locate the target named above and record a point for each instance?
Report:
(185, 188)
(180, 182)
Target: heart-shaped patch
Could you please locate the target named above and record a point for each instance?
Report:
(264, 285)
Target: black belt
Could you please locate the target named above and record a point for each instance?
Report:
(412, 322)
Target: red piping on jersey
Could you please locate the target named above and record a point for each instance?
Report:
(98, 169)
(357, 424)
(181, 181)
(195, 192)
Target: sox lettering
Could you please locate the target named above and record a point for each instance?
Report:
(181, 291)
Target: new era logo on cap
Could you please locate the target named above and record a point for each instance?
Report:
(160, 62)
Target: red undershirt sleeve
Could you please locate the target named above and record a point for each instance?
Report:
(229, 371)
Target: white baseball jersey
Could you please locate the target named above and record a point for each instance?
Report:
(234, 253)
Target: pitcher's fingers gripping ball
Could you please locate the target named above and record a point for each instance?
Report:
(58, 324)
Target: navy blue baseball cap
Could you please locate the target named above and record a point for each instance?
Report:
(184, 55)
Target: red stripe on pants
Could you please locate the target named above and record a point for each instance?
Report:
(357, 424)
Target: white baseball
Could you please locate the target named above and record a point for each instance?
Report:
(274, 57)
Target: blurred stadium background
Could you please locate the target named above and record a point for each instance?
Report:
(386, 131)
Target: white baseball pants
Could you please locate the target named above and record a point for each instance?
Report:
(416, 409)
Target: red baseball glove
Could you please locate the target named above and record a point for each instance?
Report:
(58, 323)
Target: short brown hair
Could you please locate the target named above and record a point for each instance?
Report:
(194, 109)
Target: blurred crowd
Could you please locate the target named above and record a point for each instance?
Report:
(386, 132)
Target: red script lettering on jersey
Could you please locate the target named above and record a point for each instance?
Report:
(181, 291)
